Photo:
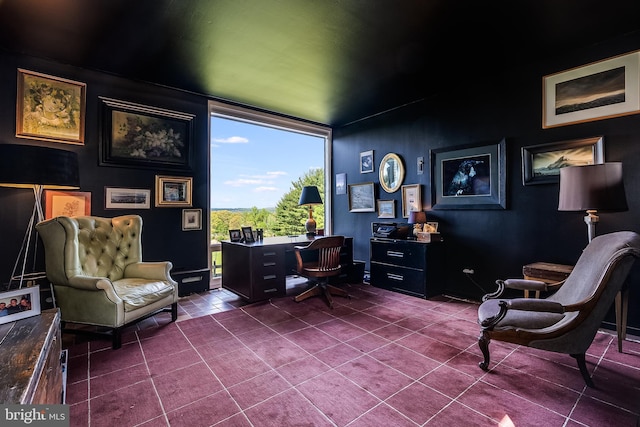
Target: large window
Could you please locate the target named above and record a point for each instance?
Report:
(258, 164)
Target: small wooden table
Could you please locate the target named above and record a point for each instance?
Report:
(546, 272)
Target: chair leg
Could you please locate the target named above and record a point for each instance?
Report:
(174, 311)
(116, 338)
(338, 291)
(327, 295)
(311, 292)
(483, 343)
(622, 307)
(582, 365)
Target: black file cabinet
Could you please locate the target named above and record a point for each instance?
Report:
(407, 266)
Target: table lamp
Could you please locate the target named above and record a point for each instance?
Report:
(417, 217)
(592, 188)
(37, 168)
(310, 196)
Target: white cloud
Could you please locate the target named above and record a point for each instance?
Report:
(264, 189)
(232, 140)
(277, 173)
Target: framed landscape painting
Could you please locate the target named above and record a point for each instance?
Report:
(469, 177)
(136, 135)
(362, 197)
(600, 90)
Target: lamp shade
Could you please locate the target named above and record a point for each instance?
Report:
(417, 217)
(592, 187)
(310, 196)
(25, 166)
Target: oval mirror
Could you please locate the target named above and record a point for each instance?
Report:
(391, 172)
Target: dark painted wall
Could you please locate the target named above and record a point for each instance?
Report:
(495, 243)
(163, 238)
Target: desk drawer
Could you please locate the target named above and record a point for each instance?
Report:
(402, 254)
(400, 279)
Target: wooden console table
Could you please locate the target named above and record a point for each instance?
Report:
(546, 272)
(30, 360)
(257, 271)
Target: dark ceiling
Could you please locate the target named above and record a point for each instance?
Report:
(326, 61)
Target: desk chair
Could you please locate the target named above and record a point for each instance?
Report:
(320, 269)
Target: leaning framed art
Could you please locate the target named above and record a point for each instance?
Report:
(19, 304)
(596, 91)
(50, 108)
(541, 163)
(469, 177)
(137, 135)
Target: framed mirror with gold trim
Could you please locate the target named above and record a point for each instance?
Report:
(391, 173)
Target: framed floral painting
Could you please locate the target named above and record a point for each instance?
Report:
(135, 135)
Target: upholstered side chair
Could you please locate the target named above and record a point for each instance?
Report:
(319, 261)
(98, 276)
(568, 320)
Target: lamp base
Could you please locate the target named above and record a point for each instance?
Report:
(591, 219)
(310, 226)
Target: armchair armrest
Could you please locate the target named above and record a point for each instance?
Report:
(149, 270)
(90, 283)
(534, 304)
(522, 284)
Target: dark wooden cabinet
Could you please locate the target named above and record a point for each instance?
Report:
(407, 266)
(258, 271)
(30, 360)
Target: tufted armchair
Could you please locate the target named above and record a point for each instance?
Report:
(95, 266)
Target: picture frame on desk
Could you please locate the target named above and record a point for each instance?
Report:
(247, 235)
(26, 301)
(235, 235)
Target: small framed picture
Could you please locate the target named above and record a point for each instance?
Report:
(341, 183)
(386, 208)
(431, 227)
(127, 198)
(173, 191)
(66, 203)
(247, 235)
(362, 197)
(411, 199)
(366, 161)
(235, 235)
(19, 304)
(191, 219)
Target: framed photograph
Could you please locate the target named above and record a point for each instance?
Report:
(19, 304)
(341, 183)
(411, 199)
(134, 135)
(247, 235)
(191, 219)
(66, 203)
(127, 198)
(366, 161)
(173, 191)
(541, 164)
(430, 227)
(50, 108)
(235, 235)
(469, 177)
(600, 90)
(362, 197)
(386, 208)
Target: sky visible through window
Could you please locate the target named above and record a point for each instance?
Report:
(253, 165)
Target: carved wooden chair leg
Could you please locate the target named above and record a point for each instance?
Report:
(483, 343)
(174, 311)
(583, 369)
(116, 338)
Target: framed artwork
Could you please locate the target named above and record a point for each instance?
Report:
(541, 164)
(191, 219)
(386, 208)
(341, 183)
(66, 203)
(19, 304)
(235, 235)
(469, 177)
(134, 135)
(50, 108)
(430, 227)
(411, 199)
(600, 90)
(247, 235)
(173, 191)
(127, 198)
(366, 161)
(362, 197)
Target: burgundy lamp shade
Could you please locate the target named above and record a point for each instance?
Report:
(592, 187)
(26, 166)
(417, 217)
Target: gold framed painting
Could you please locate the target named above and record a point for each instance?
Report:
(67, 203)
(50, 108)
(596, 91)
(172, 191)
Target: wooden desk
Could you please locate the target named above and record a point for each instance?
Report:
(257, 271)
(546, 272)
